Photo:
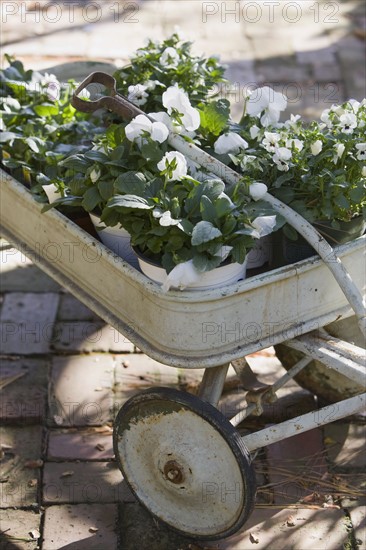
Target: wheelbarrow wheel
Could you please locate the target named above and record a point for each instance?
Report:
(185, 463)
(326, 383)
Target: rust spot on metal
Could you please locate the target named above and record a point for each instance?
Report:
(173, 472)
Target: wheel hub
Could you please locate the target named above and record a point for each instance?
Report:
(174, 472)
(185, 462)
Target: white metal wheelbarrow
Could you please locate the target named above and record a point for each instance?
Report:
(183, 459)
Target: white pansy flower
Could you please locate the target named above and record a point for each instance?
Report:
(292, 122)
(339, 150)
(297, 143)
(271, 141)
(175, 99)
(95, 174)
(281, 156)
(137, 94)
(348, 122)
(265, 100)
(254, 131)
(48, 78)
(337, 109)
(247, 159)
(169, 58)
(229, 143)
(363, 173)
(181, 169)
(159, 132)
(263, 226)
(151, 84)
(139, 125)
(257, 190)
(324, 117)
(361, 151)
(44, 83)
(53, 91)
(354, 104)
(171, 124)
(316, 147)
(52, 192)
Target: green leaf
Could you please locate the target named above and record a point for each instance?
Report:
(285, 194)
(91, 199)
(357, 194)
(229, 226)
(203, 263)
(96, 156)
(106, 189)
(342, 201)
(131, 183)
(239, 250)
(215, 116)
(152, 151)
(223, 206)
(186, 226)
(33, 143)
(129, 201)
(77, 162)
(204, 232)
(213, 188)
(207, 209)
(46, 110)
(282, 179)
(290, 232)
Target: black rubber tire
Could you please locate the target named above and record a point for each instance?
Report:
(171, 400)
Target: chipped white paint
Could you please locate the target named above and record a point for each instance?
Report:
(209, 497)
(184, 329)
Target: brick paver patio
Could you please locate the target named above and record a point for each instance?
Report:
(59, 484)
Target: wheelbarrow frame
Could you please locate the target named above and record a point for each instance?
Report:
(206, 329)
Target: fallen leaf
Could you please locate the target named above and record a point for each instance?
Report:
(253, 538)
(68, 473)
(313, 497)
(329, 441)
(4, 479)
(5, 447)
(93, 529)
(35, 534)
(290, 521)
(100, 447)
(58, 420)
(334, 506)
(32, 482)
(33, 464)
(99, 388)
(103, 429)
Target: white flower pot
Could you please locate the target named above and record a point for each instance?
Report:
(220, 276)
(116, 239)
(260, 253)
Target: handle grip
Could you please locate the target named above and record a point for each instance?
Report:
(115, 102)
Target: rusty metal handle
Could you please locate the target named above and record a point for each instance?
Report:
(115, 102)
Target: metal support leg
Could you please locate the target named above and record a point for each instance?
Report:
(305, 422)
(267, 396)
(341, 356)
(212, 384)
